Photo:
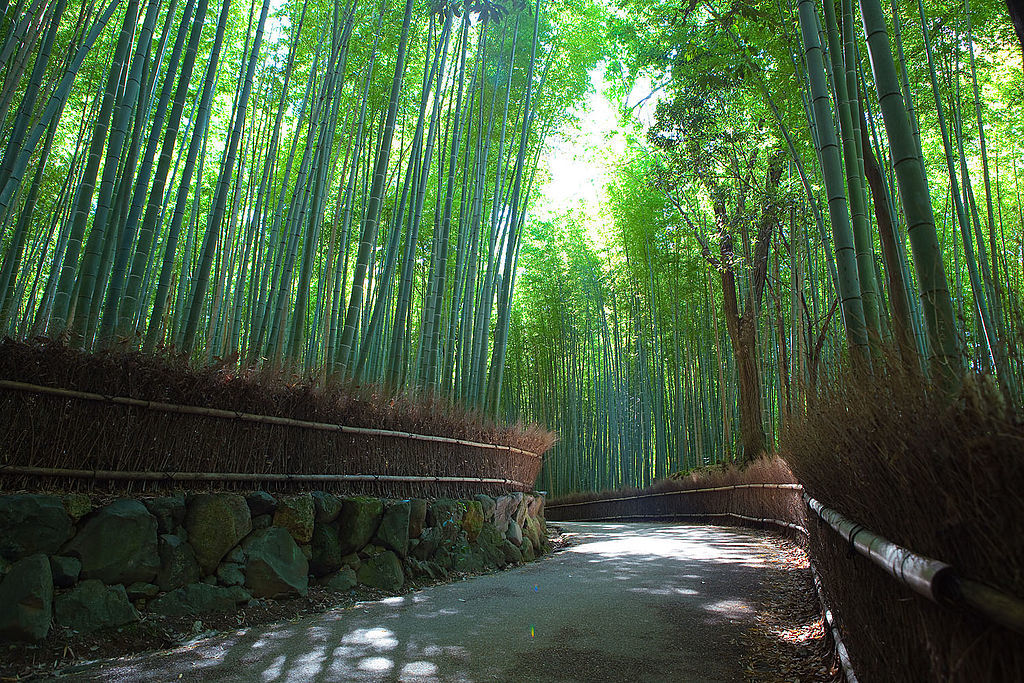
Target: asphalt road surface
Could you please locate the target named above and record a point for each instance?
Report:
(626, 602)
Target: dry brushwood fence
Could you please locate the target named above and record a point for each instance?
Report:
(963, 629)
(127, 421)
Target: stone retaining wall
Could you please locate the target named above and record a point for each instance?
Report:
(83, 565)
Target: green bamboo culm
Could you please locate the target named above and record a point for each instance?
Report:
(944, 348)
(832, 172)
(854, 178)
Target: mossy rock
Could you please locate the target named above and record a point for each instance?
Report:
(168, 510)
(532, 531)
(117, 544)
(466, 558)
(31, 524)
(26, 596)
(326, 550)
(327, 507)
(275, 567)
(429, 542)
(216, 522)
(91, 605)
(358, 522)
(295, 514)
(393, 532)
(261, 503)
(417, 517)
(77, 505)
(199, 598)
(489, 542)
(340, 581)
(488, 505)
(529, 553)
(178, 564)
(383, 571)
(513, 555)
(473, 519)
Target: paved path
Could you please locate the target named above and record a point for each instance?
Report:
(628, 602)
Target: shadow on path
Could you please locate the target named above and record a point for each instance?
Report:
(626, 602)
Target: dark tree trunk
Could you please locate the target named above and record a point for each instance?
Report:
(901, 325)
(1016, 11)
(743, 332)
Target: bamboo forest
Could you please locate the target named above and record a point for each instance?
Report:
(603, 250)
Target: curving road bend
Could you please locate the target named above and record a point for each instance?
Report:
(626, 602)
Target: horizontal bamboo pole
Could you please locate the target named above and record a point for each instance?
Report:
(997, 606)
(794, 487)
(921, 574)
(115, 475)
(692, 515)
(250, 417)
(841, 651)
(931, 578)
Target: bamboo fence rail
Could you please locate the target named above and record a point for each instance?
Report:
(931, 578)
(246, 476)
(795, 487)
(250, 417)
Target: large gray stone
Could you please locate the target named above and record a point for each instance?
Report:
(529, 555)
(488, 505)
(30, 524)
(514, 533)
(429, 541)
(513, 555)
(505, 508)
(535, 505)
(340, 581)
(327, 507)
(199, 598)
(393, 532)
(383, 571)
(531, 530)
(117, 544)
(168, 510)
(295, 514)
(261, 503)
(358, 522)
(445, 511)
(178, 564)
(276, 567)
(490, 542)
(230, 574)
(520, 515)
(326, 554)
(26, 596)
(65, 570)
(216, 522)
(465, 558)
(91, 605)
(417, 517)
